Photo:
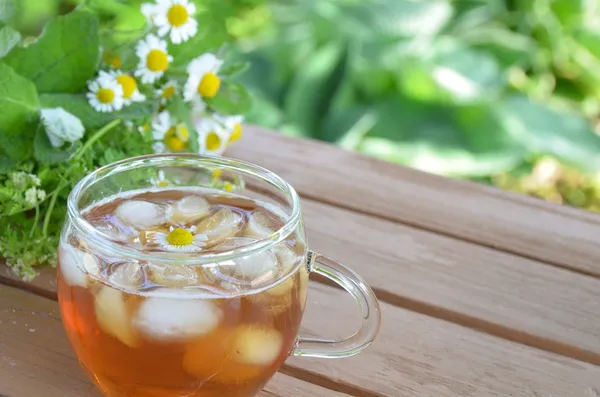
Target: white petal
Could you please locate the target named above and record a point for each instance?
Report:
(141, 214)
(169, 319)
(112, 316)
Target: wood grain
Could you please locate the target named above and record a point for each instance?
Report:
(514, 223)
(36, 359)
(414, 355)
(502, 294)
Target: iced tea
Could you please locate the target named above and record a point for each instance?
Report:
(150, 329)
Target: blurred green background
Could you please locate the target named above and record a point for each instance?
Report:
(504, 92)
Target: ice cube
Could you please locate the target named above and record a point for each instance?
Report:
(210, 358)
(112, 316)
(142, 214)
(257, 267)
(72, 264)
(260, 225)
(303, 286)
(286, 256)
(126, 275)
(175, 275)
(165, 318)
(219, 226)
(189, 209)
(257, 345)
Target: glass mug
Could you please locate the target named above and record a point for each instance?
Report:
(187, 275)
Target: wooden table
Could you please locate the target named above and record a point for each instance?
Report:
(483, 293)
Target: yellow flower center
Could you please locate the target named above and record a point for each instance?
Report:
(182, 132)
(176, 138)
(163, 183)
(180, 237)
(236, 134)
(157, 61)
(213, 141)
(216, 173)
(128, 83)
(112, 59)
(105, 95)
(177, 15)
(168, 92)
(228, 186)
(209, 86)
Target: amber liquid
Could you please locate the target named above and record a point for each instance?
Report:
(234, 356)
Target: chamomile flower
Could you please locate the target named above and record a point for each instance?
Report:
(169, 134)
(203, 81)
(181, 239)
(131, 93)
(106, 94)
(174, 17)
(233, 125)
(154, 58)
(212, 136)
(167, 91)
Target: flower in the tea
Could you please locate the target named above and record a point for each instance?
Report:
(203, 81)
(154, 58)
(233, 125)
(212, 137)
(174, 17)
(106, 94)
(181, 239)
(171, 136)
(167, 91)
(131, 93)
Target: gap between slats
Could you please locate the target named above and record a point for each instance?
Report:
(438, 232)
(406, 303)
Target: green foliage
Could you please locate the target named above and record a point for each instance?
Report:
(467, 88)
(64, 57)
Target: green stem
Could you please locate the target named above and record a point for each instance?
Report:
(35, 221)
(97, 135)
(51, 208)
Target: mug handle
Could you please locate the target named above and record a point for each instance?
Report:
(364, 297)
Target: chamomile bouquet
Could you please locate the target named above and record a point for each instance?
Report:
(84, 94)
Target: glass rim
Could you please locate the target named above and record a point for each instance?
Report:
(104, 242)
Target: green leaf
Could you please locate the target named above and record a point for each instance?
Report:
(348, 127)
(234, 69)
(6, 162)
(8, 10)
(19, 109)
(232, 99)
(78, 105)
(460, 141)
(45, 153)
(8, 39)
(316, 84)
(543, 130)
(64, 57)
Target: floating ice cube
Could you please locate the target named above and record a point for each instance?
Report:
(286, 256)
(257, 345)
(175, 275)
(222, 224)
(141, 214)
(250, 267)
(72, 264)
(260, 225)
(189, 209)
(126, 275)
(303, 287)
(116, 233)
(165, 318)
(112, 317)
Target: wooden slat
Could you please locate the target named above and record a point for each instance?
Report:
(414, 355)
(515, 223)
(502, 294)
(507, 295)
(36, 359)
